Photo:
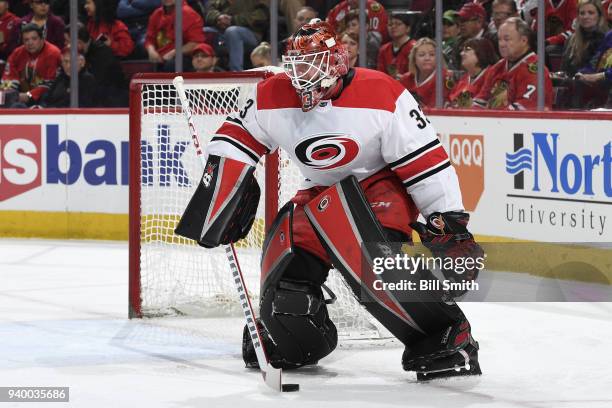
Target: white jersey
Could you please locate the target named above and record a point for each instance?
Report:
(375, 123)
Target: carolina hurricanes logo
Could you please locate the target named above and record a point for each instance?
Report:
(438, 222)
(327, 152)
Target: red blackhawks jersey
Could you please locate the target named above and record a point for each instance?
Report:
(559, 17)
(32, 72)
(514, 86)
(121, 41)
(461, 96)
(425, 91)
(374, 125)
(7, 21)
(377, 17)
(160, 30)
(394, 63)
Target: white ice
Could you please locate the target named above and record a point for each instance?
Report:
(63, 322)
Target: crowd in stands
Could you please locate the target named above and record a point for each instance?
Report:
(489, 49)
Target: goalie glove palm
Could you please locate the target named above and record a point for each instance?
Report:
(446, 236)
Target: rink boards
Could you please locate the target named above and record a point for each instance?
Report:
(65, 174)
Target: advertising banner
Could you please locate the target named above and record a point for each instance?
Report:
(546, 179)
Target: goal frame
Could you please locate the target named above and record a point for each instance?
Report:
(135, 114)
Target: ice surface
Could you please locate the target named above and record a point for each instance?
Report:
(63, 322)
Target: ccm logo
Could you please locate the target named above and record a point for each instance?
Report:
(20, 159)
(466, 151)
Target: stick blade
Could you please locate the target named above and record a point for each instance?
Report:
(273, 378)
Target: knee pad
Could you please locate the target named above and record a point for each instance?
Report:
(294, 315)
(294, 319)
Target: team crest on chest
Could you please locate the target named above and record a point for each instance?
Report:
(326, 152)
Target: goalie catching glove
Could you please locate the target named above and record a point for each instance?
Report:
(223, 207)
(446, 236)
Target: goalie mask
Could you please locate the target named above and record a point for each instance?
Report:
(314, 62)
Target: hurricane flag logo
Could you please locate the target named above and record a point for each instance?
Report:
(519, 161)
(327, 151)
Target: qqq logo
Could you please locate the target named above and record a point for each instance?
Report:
(467, 156)
(325, 152)
(20, 159)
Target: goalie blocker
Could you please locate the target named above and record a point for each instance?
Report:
(223, 207)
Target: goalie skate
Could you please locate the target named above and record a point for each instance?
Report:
(448, 354)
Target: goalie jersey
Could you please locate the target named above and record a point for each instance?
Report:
(373, 125)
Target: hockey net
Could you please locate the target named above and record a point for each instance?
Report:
(170, 275)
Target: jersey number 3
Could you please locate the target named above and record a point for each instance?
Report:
(421, 121)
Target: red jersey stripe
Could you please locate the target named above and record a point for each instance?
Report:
(238, 134)
(424, 162)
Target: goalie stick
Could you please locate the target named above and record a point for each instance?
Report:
(272, 376)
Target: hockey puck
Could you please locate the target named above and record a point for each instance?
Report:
(290, 387)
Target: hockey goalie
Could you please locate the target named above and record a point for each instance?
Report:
(371, 163)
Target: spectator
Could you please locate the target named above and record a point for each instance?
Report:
(450, 36)
(420, 79)
(303, 16)
(31, 67)
(583, 44)
(607, 8)
(290, 8)
(559, 15)
(602, 60)
(261, 59)
(8, 22)
(377, 16)
(594, 80)
(501, 11)
(351, 42)
(111, 86)
(476, 58)
(135, 15)
(203, 59)
(472, 24)
(512, 82)
(103, 25)
(373, 38)
(58, 95)
(393, 56)
(600, 75)
(159, 42)
(261, 56)
(243, 24)
(52, 25)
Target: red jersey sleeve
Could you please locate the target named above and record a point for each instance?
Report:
(121, 41)
(153, 28)
(10, 77)
(193, 26)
